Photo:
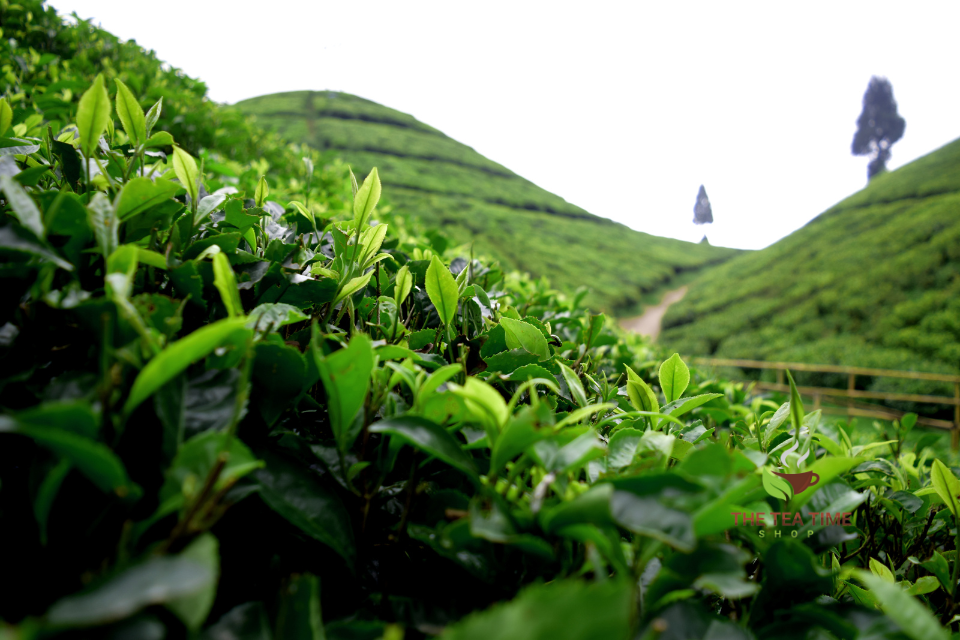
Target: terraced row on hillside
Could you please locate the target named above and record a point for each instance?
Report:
(874, 281)
(446, 183)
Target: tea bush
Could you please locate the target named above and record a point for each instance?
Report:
(252, 413)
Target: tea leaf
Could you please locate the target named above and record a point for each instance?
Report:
(194, 609)
(156, 581)
(296, 493)
(366, 198)
(796, 407)
(485, 402)
(92, 459)
(47, 493)
(345, 375)
(186, 169)
(179, 355)
(914, 620)
(131, 114)
(402, 285)
(684, 405)
(522, 335)
(881, 570)
(261, 192)
(153, 115)
(562, 610)
(23, 206)
(299, 615)
(140, 194)
(93, 115)
(429, 438)
(354, 285)
(517, 436)
(12, 240)
(226, 283)
(6, 116)
(674, 377)
(574, 384)
(442, 290)
(946, 485)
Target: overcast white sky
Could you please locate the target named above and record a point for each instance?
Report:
(623, 108)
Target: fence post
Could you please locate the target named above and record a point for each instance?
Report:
(955, 434)
(780, 376)
(851, 387)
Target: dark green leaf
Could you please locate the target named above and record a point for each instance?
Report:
(297, 494)
(93, 459)
(47, 493)
(299, 615)
(193, 609)
(244, 622)
(156, 581)
(429, 438)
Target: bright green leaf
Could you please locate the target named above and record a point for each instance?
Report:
(914, 619)
(345, 375)
(946, 485)
(366, 199)
(131, 114)
(226, 283)
(177, 356)
(442, 290)
(523, 335)
(93, 115)
(674, 377)
(186, 169)
(6, 116)
(402, 285)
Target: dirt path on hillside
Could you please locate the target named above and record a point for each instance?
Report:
(648, 324)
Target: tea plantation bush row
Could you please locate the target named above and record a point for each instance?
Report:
(448, 184)
(873, 282)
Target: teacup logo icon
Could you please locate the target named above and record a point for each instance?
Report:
(786, 485)
(800, 481)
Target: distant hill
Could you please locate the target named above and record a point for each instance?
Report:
(873, 281)
(448, 184)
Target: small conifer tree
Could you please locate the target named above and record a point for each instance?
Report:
(702, 213)
(878, 126)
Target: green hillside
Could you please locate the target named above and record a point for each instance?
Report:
(873, 281)
(448, 184)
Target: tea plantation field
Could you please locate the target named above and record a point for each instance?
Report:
(448, 184)
(873, 282)
(241, 399)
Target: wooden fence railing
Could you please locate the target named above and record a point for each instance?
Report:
(851, 394)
